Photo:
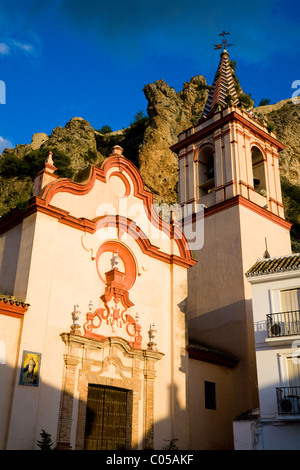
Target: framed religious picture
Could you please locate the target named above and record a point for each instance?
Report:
(30, 368)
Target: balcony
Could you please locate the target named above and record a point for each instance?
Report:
(283, 324)
(288, 400)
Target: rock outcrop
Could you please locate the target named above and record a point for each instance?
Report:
(147, 143)
(284, 118)
(169, 114)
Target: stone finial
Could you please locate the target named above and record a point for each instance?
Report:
(45, 176)
(75, 328)
(49, 158)
(152, 333)
(117, 151)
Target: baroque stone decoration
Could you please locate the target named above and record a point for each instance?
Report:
(114, 313)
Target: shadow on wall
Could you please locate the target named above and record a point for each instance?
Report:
(9, 254)
(176, 420)
(44, 401)
(25, 433)
(229, 328)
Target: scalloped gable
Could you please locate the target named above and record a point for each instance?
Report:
(110, 197)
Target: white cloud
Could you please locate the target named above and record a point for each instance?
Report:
(4, 144)
(12, 45)
(4, 49)
(25, 47)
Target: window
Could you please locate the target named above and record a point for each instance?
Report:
(288, 396)
(293, 370)
(258, 170)
(290, 300)
(210, 395)
(206, 170)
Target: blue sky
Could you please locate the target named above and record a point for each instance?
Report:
(67, 58)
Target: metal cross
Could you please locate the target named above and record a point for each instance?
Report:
(224, 42)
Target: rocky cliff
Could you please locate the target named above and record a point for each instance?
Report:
(284, 119)
(147, 144)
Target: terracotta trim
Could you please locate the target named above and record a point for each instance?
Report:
(12, 308)
(50, 174)
(222, 186)
(140, 192)
(271, 199)
(253, 143)
(226, 132)
(266, 214)
(201, 147)
(186, 153)
(244, 183)
(122, 223)
(42, 204)
(124, 180)
(127, 258)
(240, 200)
(233, 116)
(218, 136)
(126, 225)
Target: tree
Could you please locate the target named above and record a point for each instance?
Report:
(105, 130)
(140, 115)
(264, 102)
(45, 443)
(32, 162)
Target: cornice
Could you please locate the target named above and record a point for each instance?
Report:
(241, 201)
(13, 308)
(234, 116)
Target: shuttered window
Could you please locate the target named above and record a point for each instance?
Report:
(293, 366)
(290, 300)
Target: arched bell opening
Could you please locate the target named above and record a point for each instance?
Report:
(206, 170)
(258, 171)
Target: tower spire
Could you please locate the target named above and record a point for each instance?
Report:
(224, 88)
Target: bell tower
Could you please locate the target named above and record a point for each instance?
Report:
(229, 153)
(228, 163)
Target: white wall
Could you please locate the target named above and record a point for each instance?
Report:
(272, 432)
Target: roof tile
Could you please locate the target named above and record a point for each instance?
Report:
(273, 265)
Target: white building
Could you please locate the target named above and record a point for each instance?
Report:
(275, 286)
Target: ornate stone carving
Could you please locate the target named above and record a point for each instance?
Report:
(113, 318)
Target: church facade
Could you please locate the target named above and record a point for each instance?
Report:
(117, 329)
(99, 247)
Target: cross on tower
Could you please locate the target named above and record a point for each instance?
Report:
(224, 42)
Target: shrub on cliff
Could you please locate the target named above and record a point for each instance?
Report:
(21, 168)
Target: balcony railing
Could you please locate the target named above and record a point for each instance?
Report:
(288, 400)
(283, 323)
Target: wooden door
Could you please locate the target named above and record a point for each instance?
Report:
(108, 418)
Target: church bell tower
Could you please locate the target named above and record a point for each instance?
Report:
(228, 163)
